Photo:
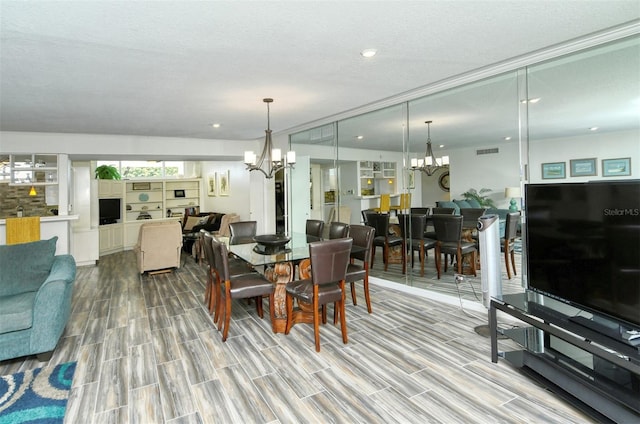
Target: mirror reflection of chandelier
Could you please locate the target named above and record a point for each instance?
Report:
(430, 164)
(272, 157)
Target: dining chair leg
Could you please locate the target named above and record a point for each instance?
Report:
(220, 312)
(343, 319)
(259, 306)
(373, 254)
(421, 253)
(227, 317)
(353, 293)
(219, 305)
(473, 262)
(316, 319)
(366, 291)
(324, 314)
(506, 262)
(513, 262)
(438, 260)
(385, 253)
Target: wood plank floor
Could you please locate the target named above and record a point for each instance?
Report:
(148, 352)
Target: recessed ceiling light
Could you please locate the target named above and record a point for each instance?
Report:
(368, 52)
(534, 100)
(441, 146)
(593, 129)
(359, 137)
(215, 125)
(507, 138)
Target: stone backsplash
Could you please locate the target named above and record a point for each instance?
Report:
(13, 196)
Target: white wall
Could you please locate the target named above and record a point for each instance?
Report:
(239, 197)
(610, 145)
(492, 171)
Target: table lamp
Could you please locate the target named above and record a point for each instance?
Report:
(513, 193)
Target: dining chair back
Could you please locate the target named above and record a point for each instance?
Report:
(419, 211)
(362, 236)
(314, 227)
(385, 240)
(404, 205)
(443, 211)
(413, 229)
(470, 216)
(385, 204)
(508, 242)
(449, 233)
(242, 232)
(366, 213)
(329, 261)
(338, 230)
(245, 286)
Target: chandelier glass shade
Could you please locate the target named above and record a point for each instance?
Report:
(430, 163)
(271, 157)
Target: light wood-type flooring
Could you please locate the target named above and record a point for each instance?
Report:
(148, 352)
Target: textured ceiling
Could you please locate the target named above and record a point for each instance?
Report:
(173, 68)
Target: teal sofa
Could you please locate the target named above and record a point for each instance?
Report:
(36, 286)
(461, 204)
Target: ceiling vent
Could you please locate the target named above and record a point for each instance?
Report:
(491, 151)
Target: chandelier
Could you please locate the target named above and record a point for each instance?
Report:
(430, 164)
(272, 157)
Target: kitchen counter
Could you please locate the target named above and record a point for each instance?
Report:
(57, 225)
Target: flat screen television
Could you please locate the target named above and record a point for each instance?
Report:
(109, 211)
(583, 245)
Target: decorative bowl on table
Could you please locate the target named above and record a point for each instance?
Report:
(268, 244)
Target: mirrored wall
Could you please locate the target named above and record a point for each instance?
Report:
(579, 110)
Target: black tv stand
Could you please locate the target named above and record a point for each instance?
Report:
(592, 363)
(608, 328)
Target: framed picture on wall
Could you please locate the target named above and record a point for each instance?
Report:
(616, 167)
(223, 184)
(554, 170)
(178, 193)
(212, 184)
(583, 167)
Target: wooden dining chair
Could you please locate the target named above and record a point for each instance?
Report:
(449, 241)
(242, 232)
(412, 228)
(212, 290)
(359, 264)
(314, 227)
(338, 230)
(385, 240)
(246, 286)
(329, 261)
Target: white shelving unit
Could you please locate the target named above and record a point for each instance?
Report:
(371, 175)
(33, 169)
(180, 195)
(143, 200)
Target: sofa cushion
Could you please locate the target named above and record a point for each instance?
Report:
(450, 205)
(462, 204)
(16, 312)
(474, 203)
(25, 266)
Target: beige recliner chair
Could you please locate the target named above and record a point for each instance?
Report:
(159, 245)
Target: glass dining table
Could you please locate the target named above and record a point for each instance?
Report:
(279, 267)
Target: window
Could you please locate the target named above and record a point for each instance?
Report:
(147, 169)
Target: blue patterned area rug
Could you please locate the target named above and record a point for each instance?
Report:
(36, 396)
